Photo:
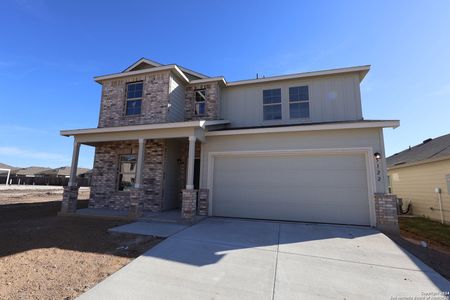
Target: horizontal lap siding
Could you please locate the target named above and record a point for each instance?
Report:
(417, 183)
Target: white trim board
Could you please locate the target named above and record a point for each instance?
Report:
(307, 127)
(367, 151)
(199, 123)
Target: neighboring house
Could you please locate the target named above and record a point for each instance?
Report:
(416, 172)
(292, 147)
(30, 172)
(5, 173)
(7, 167)
(62, 172)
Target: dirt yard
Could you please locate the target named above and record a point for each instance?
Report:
(29, 194)
(43, 256)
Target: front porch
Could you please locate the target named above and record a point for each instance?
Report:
(144, 171)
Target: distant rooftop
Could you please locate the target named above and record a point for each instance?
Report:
(30, 170)
(5, 166)
(63, 171)
(429, 149)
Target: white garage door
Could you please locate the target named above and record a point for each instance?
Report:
(311, 188)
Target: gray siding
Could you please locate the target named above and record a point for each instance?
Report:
(287, 141)
(332, 98)
(176, 100)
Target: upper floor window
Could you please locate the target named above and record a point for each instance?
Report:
(200, 102)
(127, 172)
(299, 102)
(272, 104)
(134, 98)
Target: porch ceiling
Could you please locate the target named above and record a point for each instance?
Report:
(91, 136)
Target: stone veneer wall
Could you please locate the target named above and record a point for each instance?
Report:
(203, 202)
(212, 102)
(155, 100)
(104, 192)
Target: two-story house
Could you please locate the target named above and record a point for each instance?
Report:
(292, 147)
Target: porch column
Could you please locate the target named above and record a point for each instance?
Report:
(137, 193)
(190, 165)
(140, 163)
(189, 195)
(74, 166)
(70, 195)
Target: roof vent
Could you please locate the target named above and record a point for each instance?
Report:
(427, 140)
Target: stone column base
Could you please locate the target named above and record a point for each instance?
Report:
(386, 212)
(70, 198)
(135, 209)
(203, 202)
(188, 204)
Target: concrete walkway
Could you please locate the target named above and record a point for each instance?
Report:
(239, 259)
(159, 229)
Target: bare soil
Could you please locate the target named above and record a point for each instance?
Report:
(32, 195)
(43, 256)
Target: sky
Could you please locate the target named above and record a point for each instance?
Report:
(51, 50)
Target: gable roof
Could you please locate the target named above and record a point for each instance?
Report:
(142, 61)
(193, 77)
(153, 64)
(5, 166)
(428, 150)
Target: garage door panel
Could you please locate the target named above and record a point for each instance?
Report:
(326, 188)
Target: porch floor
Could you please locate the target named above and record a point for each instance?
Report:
(169, 216)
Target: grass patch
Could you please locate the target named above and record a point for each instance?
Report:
(427, 229)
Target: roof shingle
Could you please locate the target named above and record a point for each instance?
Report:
(428, 149)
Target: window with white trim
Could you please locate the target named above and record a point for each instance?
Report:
(134, 98)
(299, 102)
(200, 102)
(126, 172)
(272, 104)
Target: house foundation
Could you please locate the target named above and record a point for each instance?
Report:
(70, 197)
(189, 203)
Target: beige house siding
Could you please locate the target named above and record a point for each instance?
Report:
(331, 98)
(417, 183)
(370, 137)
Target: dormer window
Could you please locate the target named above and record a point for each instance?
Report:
(134, 98)
(200, 102)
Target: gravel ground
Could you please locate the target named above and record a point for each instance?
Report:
(43, 256)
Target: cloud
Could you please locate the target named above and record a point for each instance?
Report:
(29, 154)
(22, 129)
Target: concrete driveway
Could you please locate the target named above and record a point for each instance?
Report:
(240, 259)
